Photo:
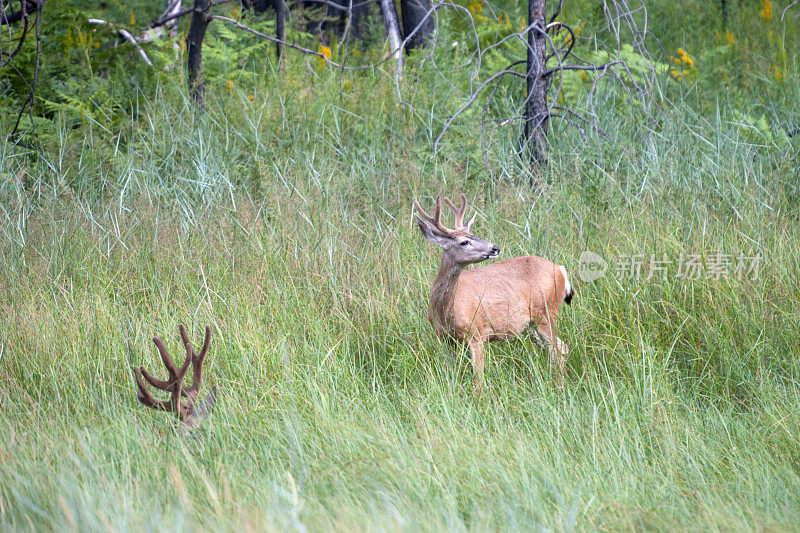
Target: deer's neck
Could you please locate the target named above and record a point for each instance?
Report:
(440, 311)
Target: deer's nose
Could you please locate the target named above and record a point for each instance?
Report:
(495, 250)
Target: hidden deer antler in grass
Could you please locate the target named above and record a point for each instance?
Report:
(183, 400)
(494, 302)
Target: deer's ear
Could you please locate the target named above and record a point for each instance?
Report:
(430, 232)
(469, 224)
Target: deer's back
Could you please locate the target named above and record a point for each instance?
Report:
(500, 299)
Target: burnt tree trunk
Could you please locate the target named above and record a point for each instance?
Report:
(281, 9)
(536, 111)
(194, 43)
(281, 12)
(415, 13)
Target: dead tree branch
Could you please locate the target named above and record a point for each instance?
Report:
(15, 42)
(26, 8)
(125, 34)
(787, 8)
(546, 64)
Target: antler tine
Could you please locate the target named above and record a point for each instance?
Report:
(197, 360)
(458, 212)
(162, 384)
(437, 213)
(422, 212)
(173, 374)
(186, 342)
(144, 395)
(206, 344)
(436, 219)
(152, 380)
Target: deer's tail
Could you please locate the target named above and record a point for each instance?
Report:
(569, 292)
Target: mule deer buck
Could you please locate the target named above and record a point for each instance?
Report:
(496, 301)
(183, 400)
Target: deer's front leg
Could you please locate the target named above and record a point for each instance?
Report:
(478, 362)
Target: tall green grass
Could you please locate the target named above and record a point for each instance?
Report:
(285, 224)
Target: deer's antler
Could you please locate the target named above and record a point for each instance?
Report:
(458, 212)
(436, 219)
(183, 400)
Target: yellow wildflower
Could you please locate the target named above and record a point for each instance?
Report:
(766, 12)
(230, 84)
(779, 74)
(96, 44)
(326, 54)
(729, 37)
(683, 58)
(475, 7)
(674, 73)
(133, 19)
(251, 97)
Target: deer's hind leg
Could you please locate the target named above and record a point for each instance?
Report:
(557, 349)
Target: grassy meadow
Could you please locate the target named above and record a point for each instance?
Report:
(285, 223)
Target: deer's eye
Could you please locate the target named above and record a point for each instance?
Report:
(464, 243)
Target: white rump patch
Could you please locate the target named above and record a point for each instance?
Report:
(567, 286)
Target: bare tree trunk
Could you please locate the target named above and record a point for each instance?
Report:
(723, 6)
(360, 13)
(194, 42)
(281, 9)
(536, 112)
(392, 28)
(414, 14)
